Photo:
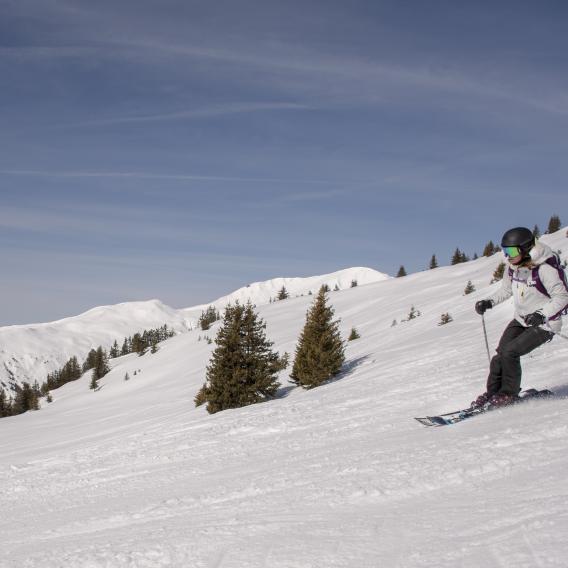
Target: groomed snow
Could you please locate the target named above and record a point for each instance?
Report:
(339, 476)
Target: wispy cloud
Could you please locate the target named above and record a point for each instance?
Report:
(196, 114)
(363, 77)
(71, 174)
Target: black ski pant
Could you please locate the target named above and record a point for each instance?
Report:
(505, 368)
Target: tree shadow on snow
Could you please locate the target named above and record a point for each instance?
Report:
(346, 370)
(284, 391)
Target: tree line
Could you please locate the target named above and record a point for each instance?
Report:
(458, 257)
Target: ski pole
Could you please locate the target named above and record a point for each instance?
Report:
(485, 335)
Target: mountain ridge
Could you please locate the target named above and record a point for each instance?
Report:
(29, 352)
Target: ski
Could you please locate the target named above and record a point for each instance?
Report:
(464, 414)
(450, 417)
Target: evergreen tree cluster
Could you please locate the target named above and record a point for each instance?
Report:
(243, 368)
(490, 249)
(26, 397)
(208, 318)
(71, 371)
(459, 257)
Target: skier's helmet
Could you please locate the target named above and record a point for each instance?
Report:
(517, 241)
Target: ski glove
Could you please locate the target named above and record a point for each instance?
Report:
(482, 306)
(535, 319)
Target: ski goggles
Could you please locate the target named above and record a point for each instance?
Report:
(511, 252)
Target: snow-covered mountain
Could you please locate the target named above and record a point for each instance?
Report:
(261, 293)
(29, 352)
(340, 476)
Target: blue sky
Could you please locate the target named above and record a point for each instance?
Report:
(179, 149)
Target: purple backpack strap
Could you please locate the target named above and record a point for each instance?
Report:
(553, 261)
(538, 282)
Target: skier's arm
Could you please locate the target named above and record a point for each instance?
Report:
(505, 291)
(556, 288)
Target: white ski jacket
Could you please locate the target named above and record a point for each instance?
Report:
(519, 283)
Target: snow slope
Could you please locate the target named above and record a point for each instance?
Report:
(339, 476)
(30, 352)
(260, 293)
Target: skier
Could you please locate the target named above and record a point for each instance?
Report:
(537, 282)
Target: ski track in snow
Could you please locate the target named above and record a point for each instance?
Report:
(339, 476)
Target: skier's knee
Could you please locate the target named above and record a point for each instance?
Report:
(509, 352)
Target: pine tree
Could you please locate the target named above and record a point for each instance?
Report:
(536, 232)
(94, 385)
(320, 352)
(469, 288)
(353, 335)
(125, 350)
(101, 367)
(554, 224)
(445, 318)
(401, 272)
(413, 314)
(354, 283)
(499, 272)
(433, 262)
(282, 294)
(5, 406)
(90, 361)
(458, 257)
(490, 249)
(127, 377)
(243, 368)
(114, 351)
(138, 344)
(336, 288)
